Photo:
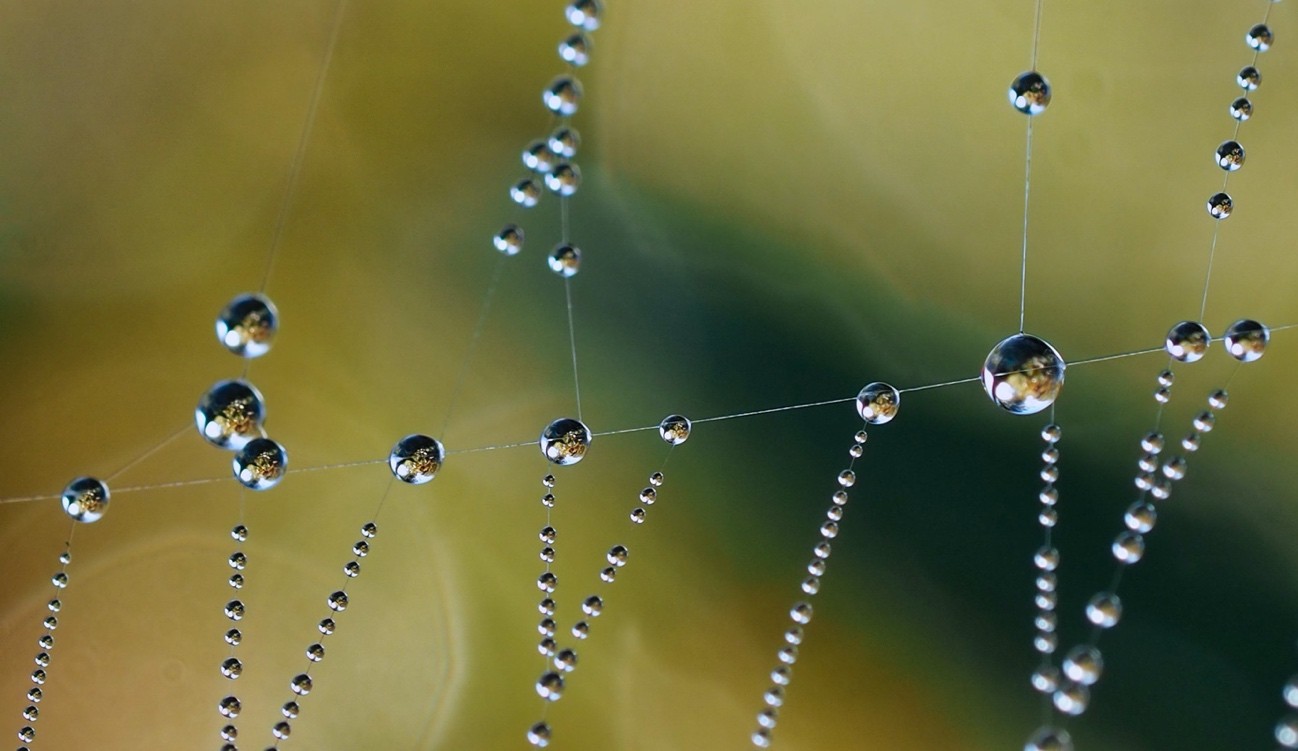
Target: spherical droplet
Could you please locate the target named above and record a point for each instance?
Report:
(1083, 664)
(1241, 109)
(247, 325)
(229, 733)
(608, 574)
(538, 157)
(1030, 93)
(1218, 399)
(27, 734)
(337, 602)
(761, 738)
(592, 606)
(1046, 679)
(580, 630)
(801, 613)
(509, 240)
(327, 625)
(550, 686)
(575, 50)
(35, 695)
(232, 668)
(416, 458)
(1072, 698)
(547, 582)
(352, 569)
(564, 179)
(674, 429)
(361, 549)
(525, 193)
(260, 464)
(301, 684)
(565, 660)
(1220, 206)
(562, 96)
(1249, 78)
(59, 580)
(878, 403)
(369, 529)
(1104, 610)
(234, 610)
(565, 441)
(85, 499)
(565, 260)
(229, 706)
(1046, 559)
(1230, 156)
(1187, 341)
(233, 637)
(1259, 37)
(1246, 340)
(230, 414)
(281, 730)
(1023, 374)
(565, 141)
(1128, 547)
(1049, 739)
(547, 627)
(584, 14)
(1286, 732)
(548, 535)
(239, 533)
(238, 560)
(847, 478)
(539, 735)
(617, 555)
(637, 515)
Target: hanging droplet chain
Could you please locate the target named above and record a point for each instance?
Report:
(45, 644)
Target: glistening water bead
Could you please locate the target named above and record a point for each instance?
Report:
(584, 14)
(1246, 340)
(565, 260)
(674, 429)
(878, 403)
(509, 240)
(85, 499)
(1259, 37)
(247, 325)
(565, 441)
(564, 179)
(1030, 93)
(1049, 739)
(260, 464)
(230, 414)
(416, 458)
(1187, 341)
(562, 96)
(1220, 205)
(1023, 374)
(1230, 156)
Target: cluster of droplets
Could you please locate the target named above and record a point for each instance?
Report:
(1286, 730)
(234, 610)
(1230, 155)
(1046, 559)
(877, 404)
(550, 160)
(559, 662)
(45, 644)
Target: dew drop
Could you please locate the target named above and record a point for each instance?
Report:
(232, 668)
(239, 533)
(565, 141)
(847, 478)
(1187, 341)
(538, 157)
(580, 630)
(550, 686)
(637, 515)
(565, 441)
(1249, 78)
(229, 706)
(327, 625)
(369, 529)
(416, 459)
(592, 606)
(1104, 610)
(584, 14)
(1072, 698)
(1230, 156)
(1046, 679)
(1128, 547)
(525, 193)
(1286, 732)
(1023, 374)
(1259, 38)
(878, 403)
(656, 479)
(247, 325)
(1241, 109)
(562, 96)
(281, 730)
(547, 582)
(539, 735)
(85, 499)
(509, 240)
(337, 602)
(674, 429)
(564, 179)
(233, 637)
(1220, 205)
(1046, 559)
(617, 555)
(1049, 739)
(1083, 664)
(565, 660)
(575, 50)
(609, 574)
(301, 684)
(648, 496)
(1030, 93)
(801, 613)
(234, 610)
(230, 414)
(1246, 340)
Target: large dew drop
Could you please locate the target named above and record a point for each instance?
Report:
(878, 403)
(85, 499)
(1030, 93)
(260, 464)
(1187, 341)
(565, 441)
(416, 458)
(1246, 340)
(1023, 374)
(247, 325)
(230, 414)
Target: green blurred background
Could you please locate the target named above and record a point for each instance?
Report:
(781, 203)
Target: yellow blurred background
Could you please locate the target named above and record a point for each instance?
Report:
(781, 203)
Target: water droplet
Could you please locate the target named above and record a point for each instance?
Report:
(575, 50)
(839, 498)
(233, 637)
(1259, 38)
(234, 610)
(550, 686)
(1246, 340)
(548, 535)
(236, 581)
(352, 569)
(609, 574)
(829, 530)
(761, 739)
(85, 499)
(1046, 679)
(65, 557)
(229, 733)
(592, 606)
(43, 659)
(1048, 517)
(239, 533)
(801, 613)
(768, 718)
(857, 451)
(416, 458)
(1083, 664)
(1204, 422)
(238, 560)
(617, 555)
(1187, 341)
(1049, 474)
(369, 529)
(229, 706)
(1286, 732)
(1230, 156)
(564, 179)
(1046, 622)
(27, 734)
(1046, 559)
(60, 580)
(1220, 206)
(1291, 692)
(847, 478)
(509, 240)
(1128, 547)
(547, 627)
(46, 641)
(1165, 379)
(315, 652)
(327, 625)
(1152, 443)
(565, 441)
(1218, 399)
(38, 676)
(547, 554)
(562, 96)
(811, 585)
(31, 714)
(548, 481)
(584, 14)
(538, 157)
(232, 668)
(580, 630)
(1249, 78)
(1174, 469)
(1048, 496)
(774, 696)
(361, 549)
(247, 325)
(656, 479)
(1191, 441)
(674, 429)
(546, 606)
(547, 582)
(565, 660)
(565, 141)
(1050, 455)
(1072, 698)
(1241, 109)
(878, 403)
(1047, 582)
(230, 414)
(835, 513)
(539, 735)
(1030, 93)
(1023, 374)
(1162, 396)
(1049, 739)
(861, 436)
(281, 730)
(301, 684)
(822, 550)
(525, 193)
(35, 695)
(1045, 643)
(781, 676)
(637, 515)
(648, 496)
(337, 601)
(547, 647)
(260, 464)
(1104, 610)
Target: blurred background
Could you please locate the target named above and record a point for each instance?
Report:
(782, 202)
